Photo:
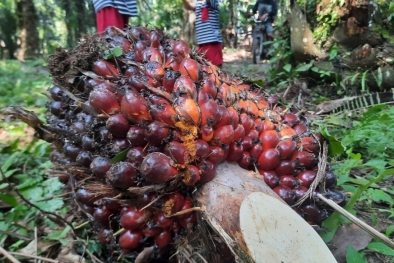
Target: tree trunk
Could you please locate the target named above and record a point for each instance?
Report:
(189, 31)
(29, 48)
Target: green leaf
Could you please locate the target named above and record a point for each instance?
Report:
(352, 256)
(378, 196)
(334, 51)
(259, 82)
(59, 235)
(9, 199)
(389, 230)
(381, 248)
(10, 161)
(287, 67)
(331, 224)
(304, 67)
(117, 51)
(120, 156)
(335, 147)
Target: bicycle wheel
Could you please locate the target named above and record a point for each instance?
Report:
(256, 50)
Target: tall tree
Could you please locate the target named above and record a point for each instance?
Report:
(28, 21)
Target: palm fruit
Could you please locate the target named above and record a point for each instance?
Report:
(139, 130)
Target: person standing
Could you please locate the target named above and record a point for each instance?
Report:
(208, 34)
(114, 13)
(267, 10)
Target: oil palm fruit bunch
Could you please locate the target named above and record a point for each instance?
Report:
(141, 120)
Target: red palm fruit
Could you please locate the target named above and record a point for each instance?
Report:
(146, 199)
(182, 48)
(246, 160)
(111, 204)
(273, 99)
(268, 125)
(246, 121)
(155, 70)
(209, 87)
(256, 150)
(118, 125)
(239, 132)
(130, 239)
(208, 171)
(300, 191)
(84, 158)
(186, 205)
(161, 220)
(287, 132)
(118, 145)
(286, 148)
(104, 101)
(122, 175)
(202, 149)
(102, 215)
(104, 236)
(136, 136)
(86, 197)
(285, 193)
(158, 168)
(151, 231)
(268, 160)
(291, 119)
(157, 132)
(71, 151)
(226, 150)
(225, 117)
(152, 54)
(285, 167)
(172, 203)
(262, 103)
(119, 41)
(137, 82)
(137, 33)
(191, 175)
(202, 97)
(288, 180)
(269, 139)
(88, 143)
(169, 79)
(300, 128)
(253, 134)
(304, 159)
(177, 151)
(223, 91)
(305, 178)
(58, 108)
(258, 125)
(56, 93)
(206, 133)
(190, 67)
(188, 110)
(134, 218)
(100, 165)
(188, 222)
(210, 113)
(247, 143)
(105, 69)
(173, 61)
(311, 213)
(270, 178)
(309, 144)
(252, 108)
(185, 85)
(155, 38)
(330, 179)
(164, 113)
(163, 239)
(234, 116)
(223, 135)
(235, 152)
(135, 108)
(78, 127)
(104, 134)
(216, 154)
(130, 71)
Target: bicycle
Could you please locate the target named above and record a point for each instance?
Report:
(259, 36)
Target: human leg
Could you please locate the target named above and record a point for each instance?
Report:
(269, 29)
